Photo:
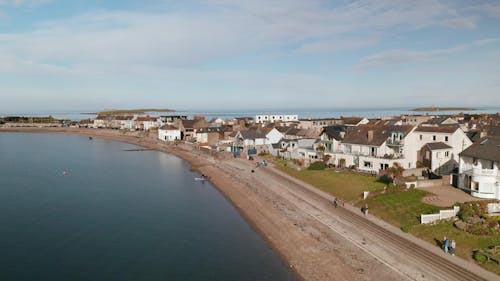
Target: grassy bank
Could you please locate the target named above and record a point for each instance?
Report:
(401, 208)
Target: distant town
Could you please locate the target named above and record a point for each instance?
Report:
(464, 147)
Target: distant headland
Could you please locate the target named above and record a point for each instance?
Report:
(130, 111)
(443, 109)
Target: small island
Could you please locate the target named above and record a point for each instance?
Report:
(130, 111)
(443, 109)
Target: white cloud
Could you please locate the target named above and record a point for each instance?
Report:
(29, 3)
(402, 56)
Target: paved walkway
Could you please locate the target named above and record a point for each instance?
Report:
(446, 196)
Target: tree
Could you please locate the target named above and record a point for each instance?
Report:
(396, 170)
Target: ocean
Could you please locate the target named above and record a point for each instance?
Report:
(78, 209)
(303, 113)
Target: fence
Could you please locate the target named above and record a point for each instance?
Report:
(443, 214)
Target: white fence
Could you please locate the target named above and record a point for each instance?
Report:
(443, 214)
(493, 208)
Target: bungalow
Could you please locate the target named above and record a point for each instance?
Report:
(250, 140)
(479, 168)
(169, 133)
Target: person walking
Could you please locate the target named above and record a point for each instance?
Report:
(453, 245)
(366, 209)
(446, 244)
(335, 202)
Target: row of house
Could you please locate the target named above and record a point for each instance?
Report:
(126, 122)
(440, 144)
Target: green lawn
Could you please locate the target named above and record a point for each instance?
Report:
(401, 208)
(465, 242)
(347, 186)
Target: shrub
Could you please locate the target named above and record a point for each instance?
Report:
(385, 179)
(353, 167)
(407, 228)
(480, 258)
(320, 165)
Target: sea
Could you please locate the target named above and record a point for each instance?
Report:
(301, 112)
(72, 208)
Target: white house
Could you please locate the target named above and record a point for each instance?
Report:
(169, 133)
(437, 156)
(374, 148)
(273, 136)
(450, 135)
(146, 123)
(250, 139)
(264, 118)
(479, 168)
(126, 122)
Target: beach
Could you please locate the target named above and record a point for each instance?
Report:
(316, 240)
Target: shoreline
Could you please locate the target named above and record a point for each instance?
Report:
(315, 240)
(195, 165)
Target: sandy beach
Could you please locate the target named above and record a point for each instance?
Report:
(317, 241)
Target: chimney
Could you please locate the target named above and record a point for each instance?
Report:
(370, 135)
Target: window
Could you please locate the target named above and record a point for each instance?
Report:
(438, 155)
(420, 137)
(367, 164)
(433, 138)
(446, 138)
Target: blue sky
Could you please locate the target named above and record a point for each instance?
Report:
(221, 54)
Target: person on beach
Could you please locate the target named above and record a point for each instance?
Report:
(335, 202)
(446, 244)
(453, 245)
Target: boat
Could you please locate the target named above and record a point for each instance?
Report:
(90, 138)
(200, 179)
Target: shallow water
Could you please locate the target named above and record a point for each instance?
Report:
(78, 209)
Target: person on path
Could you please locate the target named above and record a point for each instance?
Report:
(366, 209)
(335, 202)
(446, 244)
(452, 247)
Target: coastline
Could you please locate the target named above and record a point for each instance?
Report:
(316, 241)
(309, 248)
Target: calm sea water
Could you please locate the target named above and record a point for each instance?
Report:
(303, 113)
(79, 209)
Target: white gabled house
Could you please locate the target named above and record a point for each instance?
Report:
(451, 135)
(273, 136)
(169, 133)
(479, 168)
(437, 156)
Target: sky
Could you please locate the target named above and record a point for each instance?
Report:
(259, 54)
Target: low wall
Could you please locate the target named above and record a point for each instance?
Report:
(493, 208)
(443, 215)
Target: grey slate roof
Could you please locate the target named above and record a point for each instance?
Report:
(437, 129)
(252, 135)
(487, 148)
(359, 134)
(437, 146)
(335, 131)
